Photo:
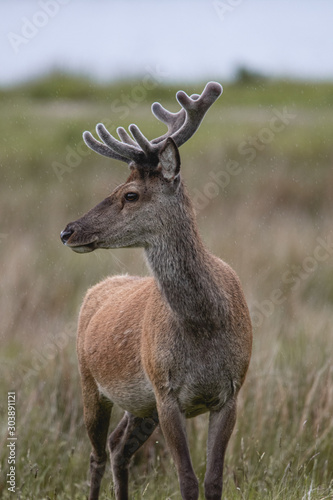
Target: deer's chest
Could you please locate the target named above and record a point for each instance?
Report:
(199, 376)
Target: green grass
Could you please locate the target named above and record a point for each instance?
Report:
(265, 222)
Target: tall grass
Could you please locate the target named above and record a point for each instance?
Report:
(267, 222)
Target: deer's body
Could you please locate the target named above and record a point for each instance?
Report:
(128, 324)
(164, 348)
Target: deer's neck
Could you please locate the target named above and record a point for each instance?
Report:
(184, 270)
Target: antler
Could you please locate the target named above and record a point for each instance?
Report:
(181, 126)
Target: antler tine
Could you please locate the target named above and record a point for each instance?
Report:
(100, 148)
(150, 149)
(128, 151)
(173, 120)
(123, 135)
(196, 109)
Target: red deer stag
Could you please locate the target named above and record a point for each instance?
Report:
(167, 347)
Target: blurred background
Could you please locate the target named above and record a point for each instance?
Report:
(260, 174)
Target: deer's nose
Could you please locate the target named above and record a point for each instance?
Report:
(66, 234)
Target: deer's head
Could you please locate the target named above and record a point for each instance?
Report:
(141, 208)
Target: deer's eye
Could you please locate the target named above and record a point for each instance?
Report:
(131, 196)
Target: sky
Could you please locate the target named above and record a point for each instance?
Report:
(174, 40)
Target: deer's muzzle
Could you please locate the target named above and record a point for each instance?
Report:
(67, 236)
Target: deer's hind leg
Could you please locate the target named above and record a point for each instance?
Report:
(97, 412)
(130, 434)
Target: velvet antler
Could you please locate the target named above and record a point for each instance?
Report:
(181, 126)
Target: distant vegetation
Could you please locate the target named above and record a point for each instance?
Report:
(249, 87)
(260, 173)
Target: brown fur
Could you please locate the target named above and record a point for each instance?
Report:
(164, 348)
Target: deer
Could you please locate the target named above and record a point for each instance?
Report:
(168, 346)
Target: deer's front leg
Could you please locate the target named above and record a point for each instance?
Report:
(221, 424)
(172, 423)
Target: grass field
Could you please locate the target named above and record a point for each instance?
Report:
(260, 171)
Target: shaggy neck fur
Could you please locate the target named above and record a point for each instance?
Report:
(184, 270)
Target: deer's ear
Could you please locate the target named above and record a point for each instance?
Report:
(169, 160)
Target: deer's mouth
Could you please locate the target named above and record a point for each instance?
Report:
(71, 239)
(86, 248)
